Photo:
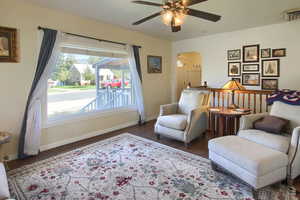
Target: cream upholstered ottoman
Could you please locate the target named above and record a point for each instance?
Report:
(253, 163)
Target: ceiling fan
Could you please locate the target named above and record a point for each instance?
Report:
(175, 11)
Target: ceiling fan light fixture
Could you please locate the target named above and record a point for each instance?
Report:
(179, 18)
(167, 17)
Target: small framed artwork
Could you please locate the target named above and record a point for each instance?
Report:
(237, 80)
(234, 69)
(154, 64)
(269, 84)
(270, 68)
(8, 44)
(251, 79)
(251, 53)
(234, 54)
(279, 52)
(251, 67)
(266, 53)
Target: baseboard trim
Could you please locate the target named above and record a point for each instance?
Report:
(86, 136)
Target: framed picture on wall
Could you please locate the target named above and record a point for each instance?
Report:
(279, 52)
(250, 67)
(266, 53)
(234, 54)
(251, 79)
(8, 44)
(269, 84)
(251, 53)
(154, 64)
(270, 68)
(234, 69)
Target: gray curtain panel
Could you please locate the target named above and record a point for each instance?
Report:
(47, 45)
(136, 51)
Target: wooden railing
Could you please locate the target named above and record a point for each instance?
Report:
(252, 99)
(110, 99)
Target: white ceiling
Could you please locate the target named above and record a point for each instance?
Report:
(236, 15)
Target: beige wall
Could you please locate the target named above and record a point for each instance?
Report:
(16, 78)
(213, 50)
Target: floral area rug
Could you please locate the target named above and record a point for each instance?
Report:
(128, 167)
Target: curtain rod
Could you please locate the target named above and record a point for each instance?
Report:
(92, 38)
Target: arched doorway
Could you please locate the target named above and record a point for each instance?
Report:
(188, 70)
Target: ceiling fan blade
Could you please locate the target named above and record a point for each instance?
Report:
(203, 15)
(191, 2)
(147, 18)
(176, 29)
(147, 3)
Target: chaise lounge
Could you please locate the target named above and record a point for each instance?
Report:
(257, 157)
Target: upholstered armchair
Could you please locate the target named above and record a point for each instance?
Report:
(288, 142)
(186, 120)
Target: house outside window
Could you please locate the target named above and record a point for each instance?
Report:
(83, 83)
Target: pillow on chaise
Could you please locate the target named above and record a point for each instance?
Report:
(271, 124)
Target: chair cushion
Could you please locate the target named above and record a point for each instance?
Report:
(255, 158)
(190, 100)
(177, 121)
(271, 124)
(286, 111)
(4, 192)
(273, 141)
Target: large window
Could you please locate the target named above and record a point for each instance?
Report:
(83, 83)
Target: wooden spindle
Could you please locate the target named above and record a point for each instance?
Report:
(254, 109)
(249, 100)
(214, 99)
(267, 107)
(260, 103)
(218, 99)
(244, 100)
(223, 99)
(228, 95)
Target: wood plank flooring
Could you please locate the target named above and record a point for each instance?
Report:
(198, 146)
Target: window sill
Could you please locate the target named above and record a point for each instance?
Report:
(86, 116)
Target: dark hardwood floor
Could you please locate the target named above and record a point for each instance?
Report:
(198, 146)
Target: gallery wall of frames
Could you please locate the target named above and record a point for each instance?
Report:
(253, 66)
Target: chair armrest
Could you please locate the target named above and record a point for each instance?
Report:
(294, 154)
(197, 123)
(247, 121)
(168, 109)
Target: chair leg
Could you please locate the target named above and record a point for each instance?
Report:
(158, 136)
(255, 193)
(186, 145)
(214, 166)
(217, 168)
(290, 181)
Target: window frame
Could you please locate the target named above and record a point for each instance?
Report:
(76, 117)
